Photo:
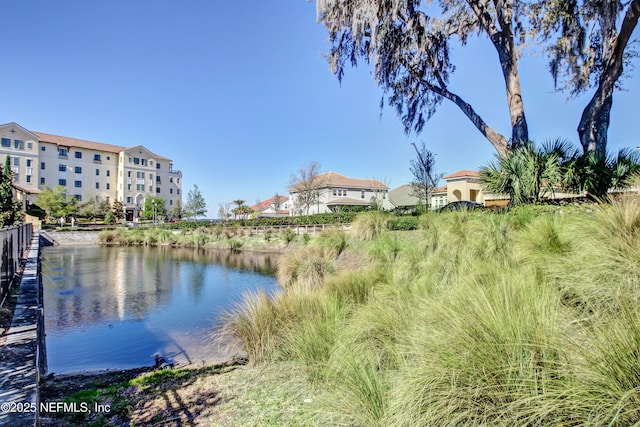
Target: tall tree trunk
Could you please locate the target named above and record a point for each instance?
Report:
(519, 128)
(594, 123)
(509, 65)
(502, 38)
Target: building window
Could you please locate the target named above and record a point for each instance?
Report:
(42, 182)
(96, 158)
(151, 189)
(150, 162)
(6, 142)
(62, 181)
(108, 158)
(362, 194)
(28, 163)
(128, 199)
(29, 145)
(128, 187)
(158, 165)
(41, 165)
(171, 191)
(62, 152)
(130, 160)
(178, 191)
(28, 178)
(157, 189)
(108, 172)
(108, 186)
(62, 167)
(78, 197)
(18, 144)
(170, 202)
(143, 162)
(129, 174)
(97, 185)
(78, 154)
(16, 161)
(78, 184)
(77, 169)
(97, 172)
(157, 178)
(136, 161)
(43, 148)
(171, 180)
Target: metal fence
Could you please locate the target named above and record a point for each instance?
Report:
(15, 242)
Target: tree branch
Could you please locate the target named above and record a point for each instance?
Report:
(499, 142)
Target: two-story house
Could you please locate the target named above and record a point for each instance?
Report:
(334, 192)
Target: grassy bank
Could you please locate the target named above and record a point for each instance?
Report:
(521, 318)
(218, 237)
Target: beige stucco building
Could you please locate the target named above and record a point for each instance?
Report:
(464, 185)
(88, 170)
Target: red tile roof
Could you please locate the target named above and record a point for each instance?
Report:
(462, 174)
(80, 143)
(265, 204)
(442, 189)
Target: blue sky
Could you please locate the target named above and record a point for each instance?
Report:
(239, 96)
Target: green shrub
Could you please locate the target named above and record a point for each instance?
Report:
(109, 218)
(287, 235)
(235, 244)
(403, 223)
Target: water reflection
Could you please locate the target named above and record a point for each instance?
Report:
(115, 307)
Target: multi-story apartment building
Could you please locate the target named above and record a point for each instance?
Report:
(89, 170)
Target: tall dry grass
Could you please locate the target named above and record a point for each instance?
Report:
(306, 267)
(369, 225)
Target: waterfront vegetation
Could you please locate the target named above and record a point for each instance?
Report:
(522, 317)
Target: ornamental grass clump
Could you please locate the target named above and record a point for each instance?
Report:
(369, 225)
(306, 267)
(311, 338)
(109, 237)
(255, 322)
(478, 351)
(333, 238)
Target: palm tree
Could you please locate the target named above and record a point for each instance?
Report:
(237, 210)
(595, 173)
(528, 173)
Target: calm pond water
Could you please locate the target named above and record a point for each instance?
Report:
(115, 307)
